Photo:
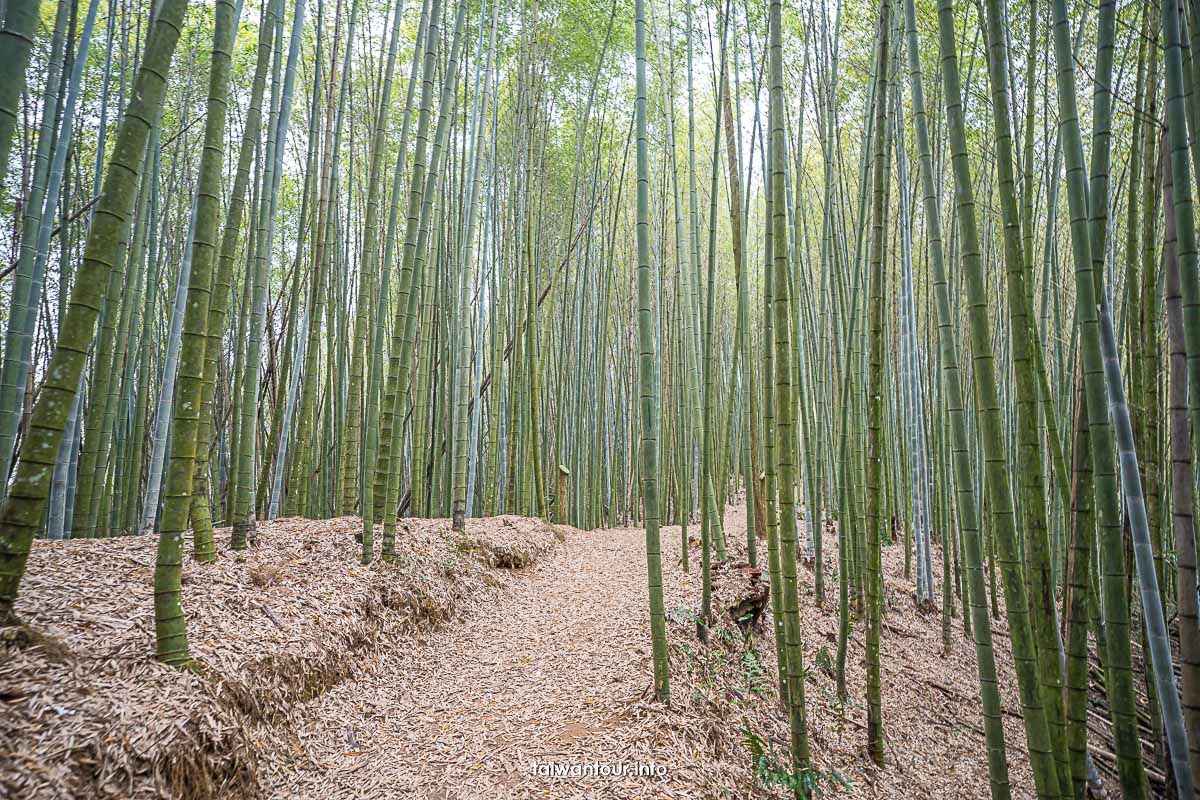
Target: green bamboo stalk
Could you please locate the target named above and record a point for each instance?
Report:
(1085, 235)
(221, 297)
(351, 433)
(968, 520)
(170, 623)
(784, 407)
(21, 511)
(16, 43)
(646, 371)
(876, 518)
(998, 497)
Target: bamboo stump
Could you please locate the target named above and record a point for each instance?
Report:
(560, 509)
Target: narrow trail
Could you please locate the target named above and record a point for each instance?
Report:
(551, 674)
(556, 674)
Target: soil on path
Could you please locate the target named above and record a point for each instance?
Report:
(550, 677)
(541, 692)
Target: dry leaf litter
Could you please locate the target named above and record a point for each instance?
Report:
(86, 711)
(467, 668)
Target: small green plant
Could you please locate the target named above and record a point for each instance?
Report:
(755, 676)
(825, 660)
(683, 614)
(770, 768)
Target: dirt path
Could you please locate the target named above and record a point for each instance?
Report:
(550, 677)
(555, 676)
(536, 689)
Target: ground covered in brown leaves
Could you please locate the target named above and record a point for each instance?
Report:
(86, 711)
(326, 679)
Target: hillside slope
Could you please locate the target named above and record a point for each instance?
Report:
(86, 711)
(514, 663)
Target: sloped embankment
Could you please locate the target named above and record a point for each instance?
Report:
(85, 710)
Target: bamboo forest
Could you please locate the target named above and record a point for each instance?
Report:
(599, 399)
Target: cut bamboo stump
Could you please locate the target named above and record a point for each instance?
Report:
(561, 506)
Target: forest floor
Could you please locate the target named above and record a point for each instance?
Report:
(557, 674)
(514, 665)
